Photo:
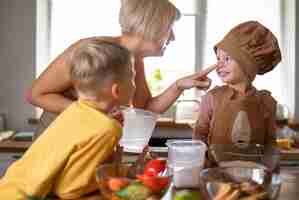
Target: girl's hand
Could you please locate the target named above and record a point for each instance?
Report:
(198, 80)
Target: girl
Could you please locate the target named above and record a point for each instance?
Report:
(237, 112)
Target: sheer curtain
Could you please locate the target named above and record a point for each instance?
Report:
(74, 20)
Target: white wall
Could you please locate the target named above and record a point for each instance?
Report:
(17, 60)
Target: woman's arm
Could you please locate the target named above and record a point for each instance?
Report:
(47, 91)
(162, 102)
(144, 99)
(142, 94)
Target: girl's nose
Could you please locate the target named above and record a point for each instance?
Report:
(172, 36)
(220, 64)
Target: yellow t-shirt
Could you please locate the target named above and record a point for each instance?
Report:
(64, 158)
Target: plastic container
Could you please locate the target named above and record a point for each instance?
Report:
(185, 160)
(138, 128)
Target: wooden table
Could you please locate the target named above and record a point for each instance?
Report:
(11, 146)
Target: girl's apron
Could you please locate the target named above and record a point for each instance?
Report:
(238, 120)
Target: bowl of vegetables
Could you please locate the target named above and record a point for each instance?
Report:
(226, 183)
(128, 181)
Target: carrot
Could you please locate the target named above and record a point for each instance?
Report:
(116, 184)
(115, 198)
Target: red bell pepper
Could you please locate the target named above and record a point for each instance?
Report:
(155, 183)
(154, 167)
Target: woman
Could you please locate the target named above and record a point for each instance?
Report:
(147, 29)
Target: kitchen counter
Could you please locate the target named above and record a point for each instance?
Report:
(289, 191)
(14, 146)
(289, 188)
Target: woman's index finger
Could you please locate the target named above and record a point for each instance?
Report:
(208, 70)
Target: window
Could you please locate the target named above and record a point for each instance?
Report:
(202, 25)
(74, 20)
(178, 60)
(85, 19)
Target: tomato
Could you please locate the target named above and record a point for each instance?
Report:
(154, 167)
(155, 183)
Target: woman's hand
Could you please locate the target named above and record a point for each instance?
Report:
(198, 80)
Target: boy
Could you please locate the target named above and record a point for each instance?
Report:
(237, 112)
(64, 158)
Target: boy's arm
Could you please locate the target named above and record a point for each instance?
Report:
(202, 125)
(78, 176)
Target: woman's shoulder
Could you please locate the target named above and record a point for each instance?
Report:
(139, 62)
(77, 44)
(100, 38)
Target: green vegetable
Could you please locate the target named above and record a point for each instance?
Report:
(134, 191)
(158, 74)
(187, 195)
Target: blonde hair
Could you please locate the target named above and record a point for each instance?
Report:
(147, 18)
(97, 61)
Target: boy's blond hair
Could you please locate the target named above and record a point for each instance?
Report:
(147, 17)
(95, 62)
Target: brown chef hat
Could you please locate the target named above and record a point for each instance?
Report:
(253, 46)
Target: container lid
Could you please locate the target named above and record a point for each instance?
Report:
(185, 143)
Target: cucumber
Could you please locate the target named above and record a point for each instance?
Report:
(134, 191)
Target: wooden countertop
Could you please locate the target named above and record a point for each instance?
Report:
(11, 146)
(169, 123)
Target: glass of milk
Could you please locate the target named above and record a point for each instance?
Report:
(138, 128)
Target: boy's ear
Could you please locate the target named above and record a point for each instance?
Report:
(115, 91)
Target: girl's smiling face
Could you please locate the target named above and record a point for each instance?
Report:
(229, 71)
